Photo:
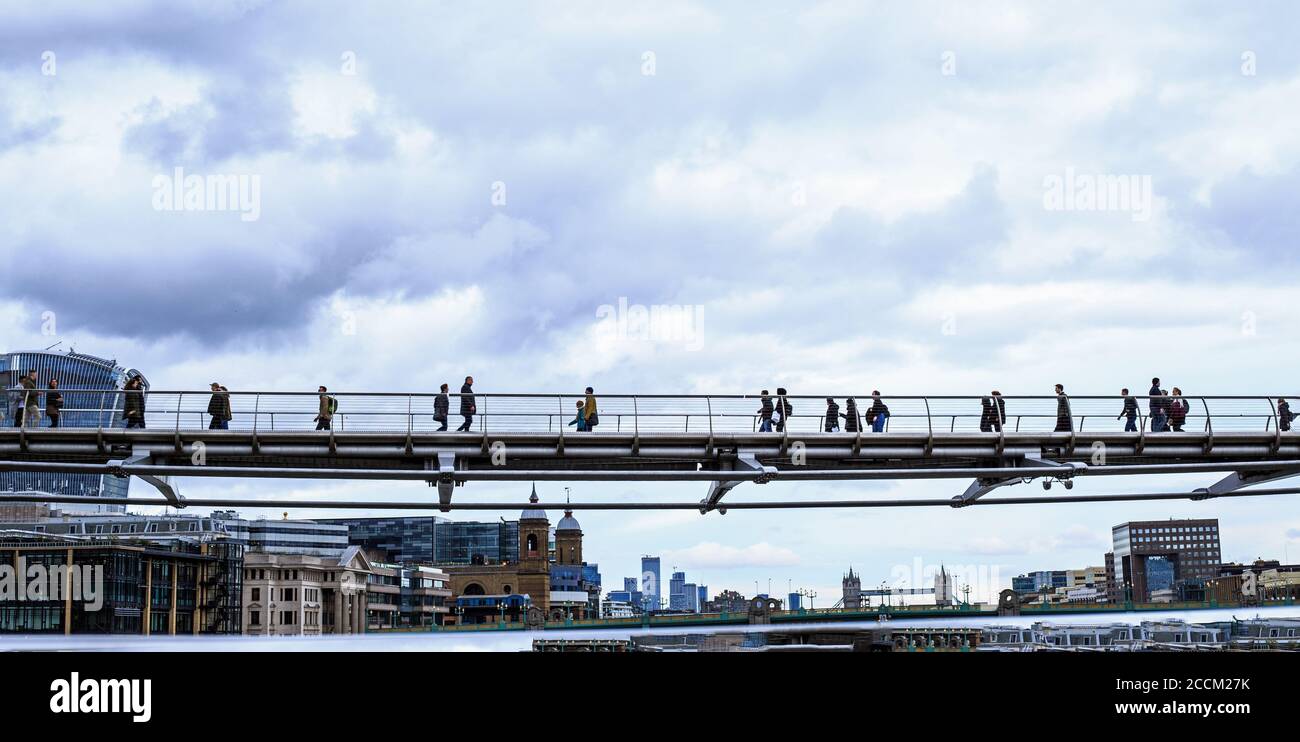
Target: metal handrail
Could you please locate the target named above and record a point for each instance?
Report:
(661, 412)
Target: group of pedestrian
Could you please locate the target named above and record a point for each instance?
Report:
(587, 417)
(774, 414)
(1168, 409)
(27, 403)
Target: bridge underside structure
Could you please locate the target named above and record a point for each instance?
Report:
(984, 462)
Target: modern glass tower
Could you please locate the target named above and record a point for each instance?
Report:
(81, 409)
(650, 582)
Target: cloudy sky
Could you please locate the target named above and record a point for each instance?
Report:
(847, 196)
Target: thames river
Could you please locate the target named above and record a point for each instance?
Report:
(514, 641)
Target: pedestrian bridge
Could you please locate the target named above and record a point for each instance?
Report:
(713, 439)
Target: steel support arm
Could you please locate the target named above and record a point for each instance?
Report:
(120, 468)
(745, 461)
(1239, 479)
(985, 485)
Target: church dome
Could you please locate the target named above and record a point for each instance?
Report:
(568, 523)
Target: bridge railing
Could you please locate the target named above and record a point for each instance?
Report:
(644, 414)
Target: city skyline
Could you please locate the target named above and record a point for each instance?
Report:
(826, 198)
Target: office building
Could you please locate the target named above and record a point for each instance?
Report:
(676, 588)
(650, 591)
(181, 586)
(404, 597)
(1158, 555)
(101, 406)
(305, 537)
(434, 540)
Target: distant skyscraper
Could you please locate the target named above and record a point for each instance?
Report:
(630, 584)
(703, 596)
(650, 582)
(82, 409)
(676, 590)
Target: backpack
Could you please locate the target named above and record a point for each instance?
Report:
(334, 405)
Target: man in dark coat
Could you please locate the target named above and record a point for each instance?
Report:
(133, 404)
(852, 422)
(986, 415)
(441, 407)
(878, 413)
(786, 409)
(1284, 416)
(219, 408)
(999, 411)
(832, 416)
(53, 403)
(1064, 421)
(1156, 406)
(467, 406)
(1130, 411)
(765, 413)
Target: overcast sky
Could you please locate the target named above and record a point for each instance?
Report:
(848, 196)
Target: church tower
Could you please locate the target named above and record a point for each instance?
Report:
(852, 587)
(534, 566)
(568, 540)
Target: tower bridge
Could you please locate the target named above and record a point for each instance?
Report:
(716, 440)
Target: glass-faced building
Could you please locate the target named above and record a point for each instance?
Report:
(434, 540)
(92, 404)
(1150, 555)
(650, 591)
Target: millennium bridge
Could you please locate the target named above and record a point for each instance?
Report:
(711, 439)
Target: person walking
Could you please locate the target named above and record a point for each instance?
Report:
(580, 418)
(1178, 408)
(986, 415)
(878, 413)
(133, 406)
(589, 413)
(441, 407)
(219, 408)
(832, 416)
(467, 406)
(765, 413)
(852, 421)
(327, 407)
(1130, 411)
(53, 403)
(785, 409)
(1284, 415)
(31, 401)
(1064, 421)
(1156, 406)
(999, 411)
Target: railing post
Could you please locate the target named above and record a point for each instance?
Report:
(100, 418)
(180, 399)
(559, 399)
(636, 428)
(929, 426)
(1277, 426)
(708, 404)
(410, 421)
